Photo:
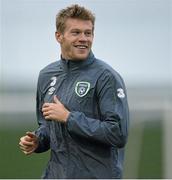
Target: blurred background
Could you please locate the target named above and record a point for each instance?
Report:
(133, 36)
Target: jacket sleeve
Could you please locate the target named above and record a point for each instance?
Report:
(43, 130)
(112, 128)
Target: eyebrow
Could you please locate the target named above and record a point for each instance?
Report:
(75, 29)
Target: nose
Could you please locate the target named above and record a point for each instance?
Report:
(82, 37)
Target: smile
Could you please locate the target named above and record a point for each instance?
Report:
(81, 46)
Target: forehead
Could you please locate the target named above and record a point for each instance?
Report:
(78, 24)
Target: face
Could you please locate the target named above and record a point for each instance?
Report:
(76, 41)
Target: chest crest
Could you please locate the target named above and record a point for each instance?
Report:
(82, 88)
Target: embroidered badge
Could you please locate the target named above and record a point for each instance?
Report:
(82, 88)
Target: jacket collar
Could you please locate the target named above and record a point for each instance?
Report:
(76, 64)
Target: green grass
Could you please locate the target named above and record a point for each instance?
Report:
(151, 158)
(14, 164)
(144, 151)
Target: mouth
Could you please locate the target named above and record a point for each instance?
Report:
(81, 46)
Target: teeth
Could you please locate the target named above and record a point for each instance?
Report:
(81, 47)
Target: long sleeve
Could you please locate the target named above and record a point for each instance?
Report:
(43, 130)
(112, 127)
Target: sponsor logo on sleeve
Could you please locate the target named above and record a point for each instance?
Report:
(120, 93)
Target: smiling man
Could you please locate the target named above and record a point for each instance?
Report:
(76, 40)
(82, 107)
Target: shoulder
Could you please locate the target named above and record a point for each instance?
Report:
(107, 71)
(109, 79)
(46, 74)
(50, 68)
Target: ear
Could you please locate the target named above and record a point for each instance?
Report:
(58, 36)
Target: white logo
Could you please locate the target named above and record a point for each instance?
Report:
(51, 90)
(54, 80)
(82, 88)
(120, 93)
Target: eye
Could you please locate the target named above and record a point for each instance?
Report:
(88, 33)
(75, 33)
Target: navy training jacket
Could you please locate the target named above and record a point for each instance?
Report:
(91, 143)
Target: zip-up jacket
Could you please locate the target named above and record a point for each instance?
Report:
(91, 143)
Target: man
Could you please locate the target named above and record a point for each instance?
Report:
(82, 107)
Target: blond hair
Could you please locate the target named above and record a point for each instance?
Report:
(75, 11)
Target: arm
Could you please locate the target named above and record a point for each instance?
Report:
(37, 141)
(112, 129)
(43, 130)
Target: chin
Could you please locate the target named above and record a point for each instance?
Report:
(81, 56)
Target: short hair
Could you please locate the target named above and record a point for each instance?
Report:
(74, 11)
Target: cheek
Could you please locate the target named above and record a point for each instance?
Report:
(90, 42)
(66, 46)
